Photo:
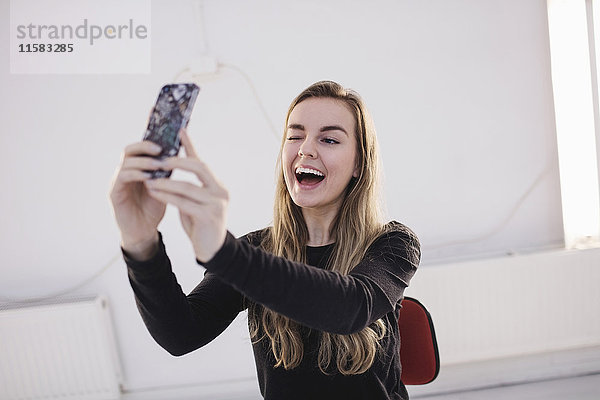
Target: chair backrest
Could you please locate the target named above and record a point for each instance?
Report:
(418, 346)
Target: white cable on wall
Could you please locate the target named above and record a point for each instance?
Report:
(64, 292)
(259, 101)
(504, 222)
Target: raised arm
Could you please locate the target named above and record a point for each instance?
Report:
(317, 298)
(180, 323)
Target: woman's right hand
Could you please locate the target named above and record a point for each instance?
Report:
(136, 212)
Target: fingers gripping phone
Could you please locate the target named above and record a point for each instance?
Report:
(170, 113)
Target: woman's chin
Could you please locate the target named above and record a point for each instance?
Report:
(303, 202)
(315, 203)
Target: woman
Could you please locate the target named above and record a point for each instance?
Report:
(322, 286)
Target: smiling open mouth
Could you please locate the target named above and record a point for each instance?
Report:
(309, 176)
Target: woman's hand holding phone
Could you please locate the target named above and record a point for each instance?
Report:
(137, 213)
(202, 208)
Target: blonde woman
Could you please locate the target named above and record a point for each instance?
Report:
(322, 286)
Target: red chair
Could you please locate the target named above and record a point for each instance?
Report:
(418, 346)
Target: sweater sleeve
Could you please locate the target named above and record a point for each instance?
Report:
(317, 298)
(180, 323)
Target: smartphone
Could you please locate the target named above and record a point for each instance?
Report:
(170, 113)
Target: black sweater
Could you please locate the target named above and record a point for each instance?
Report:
(318, 299)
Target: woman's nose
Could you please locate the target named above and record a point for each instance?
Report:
(307, 150)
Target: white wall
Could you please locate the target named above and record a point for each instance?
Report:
(461, 96)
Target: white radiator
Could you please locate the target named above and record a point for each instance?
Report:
(58, 351)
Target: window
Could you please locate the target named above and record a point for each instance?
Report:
(573, 46)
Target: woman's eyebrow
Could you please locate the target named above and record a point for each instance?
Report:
(333, 128)
(323, 129)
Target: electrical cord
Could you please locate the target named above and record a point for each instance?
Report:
(51, 296)
(198, 78)
(198, 10)
(260, 103)
(504, 222)
(199, 14)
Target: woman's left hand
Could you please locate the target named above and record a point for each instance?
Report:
(202, 208)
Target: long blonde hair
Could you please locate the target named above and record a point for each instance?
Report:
(355, 228)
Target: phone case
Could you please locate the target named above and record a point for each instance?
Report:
(171, 113)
